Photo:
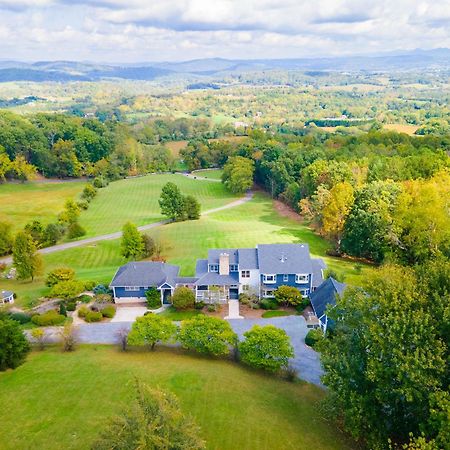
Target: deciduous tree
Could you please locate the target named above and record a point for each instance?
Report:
(132, 245)
(151, 329)
(26, 260)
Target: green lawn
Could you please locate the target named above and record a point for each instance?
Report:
(269, 314)
(215, 174)
(136, 200)
(173, 314)
(21, 203)
(255, 222)
(62, 400)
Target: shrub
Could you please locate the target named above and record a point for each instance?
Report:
(103, 298)
(290, 373)
(13, 344)
(313, 337)
(84, 298)
(212, 308)
(83, 205)
(183, 298)
(93, 316)
(62, 309)
(83, 311)
(58, 275)
(288, 295)
(89, 192)
(89, 285)
(208, 335)
(199, 305)
(48, 318)
(38, 335)
(149, 246)
(67, 289)
(71, 305)
(153, 298)
(20, 317)
(75, 230)
(100, 182)
(303, 304)
(266, 348)
(150, 329)
(269, 303)
(68, 339)
(108, 311)
(100, 289)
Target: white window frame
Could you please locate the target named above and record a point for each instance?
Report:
(304, 292)
(215, 266)
(266, 293)
(245, 287)
(286, 277)
(302, 278)
(234, 268)
(132, 288)
(245, 273)
(272, 275)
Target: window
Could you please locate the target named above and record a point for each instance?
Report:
(301, 278)
(269, 278)
(233, 268)
(245, 287)
(304, 292)
(268, 293)
(245, 274)
(214, 267)
(131, 288)
(285, 277)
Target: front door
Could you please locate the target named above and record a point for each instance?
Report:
(167, 296)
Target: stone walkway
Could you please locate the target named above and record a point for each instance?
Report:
(233, 310)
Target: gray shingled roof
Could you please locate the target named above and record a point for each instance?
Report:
(213, 278)
(147, 273)
(284, 258)
(214, 253)
(248, 258)
(325, 295)
(318, 265)
(6, 294)
(185, 280)
(201, 267)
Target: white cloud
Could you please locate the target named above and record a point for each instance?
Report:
(142, 30)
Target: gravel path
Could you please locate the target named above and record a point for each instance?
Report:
(118, 234)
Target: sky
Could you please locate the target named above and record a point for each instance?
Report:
(171, 30)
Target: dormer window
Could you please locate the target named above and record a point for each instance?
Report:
(301, 278)
(214, 267)
(234, 268)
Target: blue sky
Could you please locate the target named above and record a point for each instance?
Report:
(158, 30)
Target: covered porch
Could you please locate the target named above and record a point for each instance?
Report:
(214, 294)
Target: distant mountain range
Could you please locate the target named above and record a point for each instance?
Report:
(63, 71)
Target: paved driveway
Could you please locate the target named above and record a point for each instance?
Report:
(306, 360)
(128, 313)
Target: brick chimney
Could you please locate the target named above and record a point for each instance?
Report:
(224, 264)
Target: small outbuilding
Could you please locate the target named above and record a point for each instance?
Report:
(6, 297)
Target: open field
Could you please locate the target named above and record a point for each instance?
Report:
(215, 174)
(176, 146)
(255, 222)
(21, 203)
(136, 200)
(62, 400)
(401, 128)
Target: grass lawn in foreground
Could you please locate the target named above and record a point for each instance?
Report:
(62, 400)
(255, 222)
(22, 203)
(269, 314)
(136, 200)
(173, 314)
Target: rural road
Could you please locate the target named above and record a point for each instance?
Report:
(118, 234)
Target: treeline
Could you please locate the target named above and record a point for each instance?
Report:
(379, 195)
(62, 146)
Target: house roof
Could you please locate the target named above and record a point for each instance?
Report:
(201, 267)
(185, 280)
(6, 294)
(214, 279)
(318, 265)
(214, 254)
(284, 258)
(248, 258)
(146, 273)
(325, 295)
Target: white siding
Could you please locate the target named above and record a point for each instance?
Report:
(253, 281)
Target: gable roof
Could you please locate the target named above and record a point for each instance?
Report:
(248, 258)
(284, 258)
(147, 273)
(325, 295)
(215, 279)
(6, 294)
(318, 265)
(201, 267)
(214, 254)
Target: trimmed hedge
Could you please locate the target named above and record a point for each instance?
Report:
(47, 319)
(93, 316)
(20, 317)
(108, 311)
